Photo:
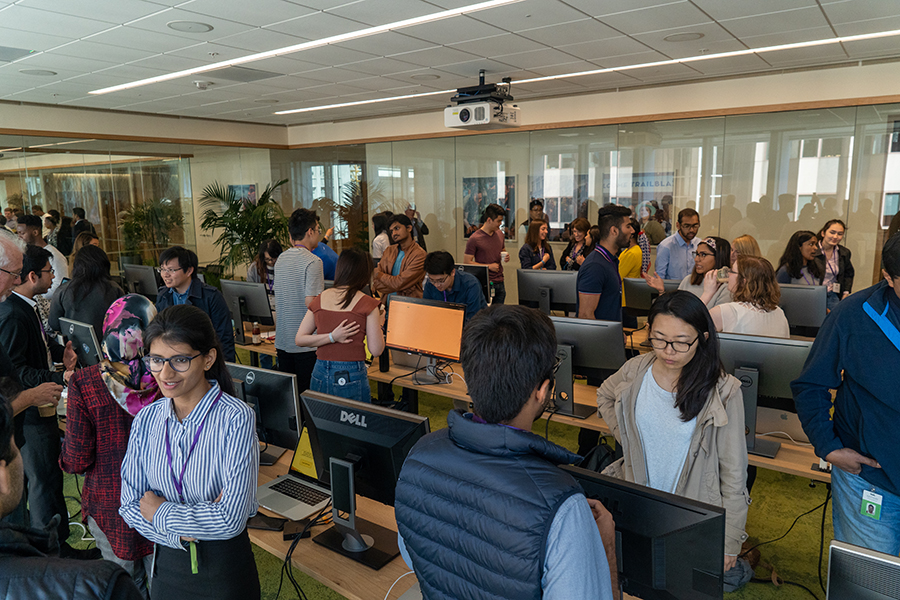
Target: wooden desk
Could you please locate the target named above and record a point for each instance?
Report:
(266, 347)
(347, 577)
(791, 459)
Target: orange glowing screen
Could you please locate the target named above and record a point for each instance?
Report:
(425, 329)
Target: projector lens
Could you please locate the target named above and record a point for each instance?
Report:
(465, 115)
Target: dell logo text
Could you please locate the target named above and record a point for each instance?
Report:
(358, 420)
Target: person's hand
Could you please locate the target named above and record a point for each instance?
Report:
(710, 284)
(845, 294)
(70, 359)
(579, 259)
(46, 393)
(150, 503)
(730, 562)
(851, 461)
(343, 333)
(184, 538)
(495, 267)
(219, 497)
(654, 281)
(545, 258)
(605, 522)
(381, 315)
(329, 233)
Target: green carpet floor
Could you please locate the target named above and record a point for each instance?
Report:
(777, 500)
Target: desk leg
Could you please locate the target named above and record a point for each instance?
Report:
(254, 359)
(385, 393)
(409, 400)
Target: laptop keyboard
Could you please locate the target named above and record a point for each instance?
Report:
(299, 491)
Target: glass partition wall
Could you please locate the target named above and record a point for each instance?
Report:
(766, 175)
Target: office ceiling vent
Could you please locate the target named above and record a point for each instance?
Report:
(8, 54)
(243, 74)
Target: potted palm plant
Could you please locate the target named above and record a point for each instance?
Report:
(147, 229)
(242, 224)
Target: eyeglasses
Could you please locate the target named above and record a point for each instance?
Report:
(15, 274)
(697, 253)
(435, 281)
(50, 270)
(695, 226)
(164, 271)
(178, 363)
(680, 347)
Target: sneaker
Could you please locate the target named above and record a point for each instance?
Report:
(67, 551)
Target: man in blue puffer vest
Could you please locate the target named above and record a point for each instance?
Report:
(482, 508)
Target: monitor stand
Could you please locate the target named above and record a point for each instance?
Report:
(564, 391)
(357, 539)
(267, 459)
(429, 376)
(544, 299)
(749, 378)
(238, 309)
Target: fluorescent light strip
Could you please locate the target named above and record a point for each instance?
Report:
(344, 37)
(674, 61)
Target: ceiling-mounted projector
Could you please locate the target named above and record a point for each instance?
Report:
(482, 107)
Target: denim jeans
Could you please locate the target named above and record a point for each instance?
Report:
(138, 569)
(855, 528)
(343, 379)
(831, 300)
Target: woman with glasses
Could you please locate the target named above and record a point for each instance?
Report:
(87, 296)
(755, 294)
(189, 474)
(798, 264)
(101, 405)
(680, 418)
(337, 323)
(712, 254)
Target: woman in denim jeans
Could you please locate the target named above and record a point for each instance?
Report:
(337, 322)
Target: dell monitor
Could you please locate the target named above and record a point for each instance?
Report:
(362, 448)
(273, 397)
(84, 341)
(141, 279)
(594, 349)
(481, 274)
(667, 547)
(804, 307)
(427, 328)
(247, 302)
(765, 366)
(639, 296)
(547, 290)
(861, 574)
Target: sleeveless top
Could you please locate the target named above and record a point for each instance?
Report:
(328, 320)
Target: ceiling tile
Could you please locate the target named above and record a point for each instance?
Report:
(386, 44)
(538, 58)
(132, 37)
(736, 64)
(787, 37)
(169, 62)
(696, 48)
(715, 39)
(603, 81)
(316, 26)
(464, 29)
(663, 73)
(375, 12)
(870, 26)
(528, 14)
(107, 11)
(435, 57)
(256, 13)
(330, 55)
(846, 11)
(499, 45)
(600, 8)
(786, 21)
(221, 27)
(564, 69)
(66, 66)
(719, 10)
(15, 38)
(50, 23)
(260, 40)
(584, 30)
(877, 48)
(100, 52)
(382, 66)
(656, 18)
(806, 56)
(601, 50)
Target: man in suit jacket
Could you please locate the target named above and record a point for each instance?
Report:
(31, 353)
(81, 224)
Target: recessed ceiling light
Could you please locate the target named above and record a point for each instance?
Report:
(189, 26)
(424, 76)
(37, 72)
(266, 101)
(683, 37)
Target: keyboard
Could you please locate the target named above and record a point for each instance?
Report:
(300, 491)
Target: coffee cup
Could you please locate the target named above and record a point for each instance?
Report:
(47, 410)
(504, 256)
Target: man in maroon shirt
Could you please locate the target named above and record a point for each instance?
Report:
(487, 247)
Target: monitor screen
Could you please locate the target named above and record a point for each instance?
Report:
(481, 273)
(273, 396)
(426, 327)
(803, 305)
(375, 438)
(598, 347)
(84, 341)
(667, 547)
(861, 574)
(535, 285)
(639, 296)
(141, 279)
(256, 300)
(779, 361)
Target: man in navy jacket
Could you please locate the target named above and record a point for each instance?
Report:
(857, 352)
(178, 267)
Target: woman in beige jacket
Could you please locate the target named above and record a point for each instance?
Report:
(680, 418)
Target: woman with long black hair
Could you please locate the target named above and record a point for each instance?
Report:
(87, 296)
(680, 418)
(798, 263)
(190, 472)
(536, 252)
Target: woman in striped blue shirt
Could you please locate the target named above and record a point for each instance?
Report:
(189, 475)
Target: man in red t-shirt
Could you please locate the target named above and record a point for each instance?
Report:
(485, 247)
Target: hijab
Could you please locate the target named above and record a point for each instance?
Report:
(127, 378)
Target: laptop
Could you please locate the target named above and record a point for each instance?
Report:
(777, 422)
(294, 496)
(84, 341)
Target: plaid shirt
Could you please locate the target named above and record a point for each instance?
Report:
(97, 431)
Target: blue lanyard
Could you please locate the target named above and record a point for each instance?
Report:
(179, 482)
(883, 322)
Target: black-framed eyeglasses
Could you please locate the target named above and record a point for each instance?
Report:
(178, 363)
(16, 274)
(697, 253)
(163, 270)
(439, 281)
(693, 227)
(50, 270)
(680, 347)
